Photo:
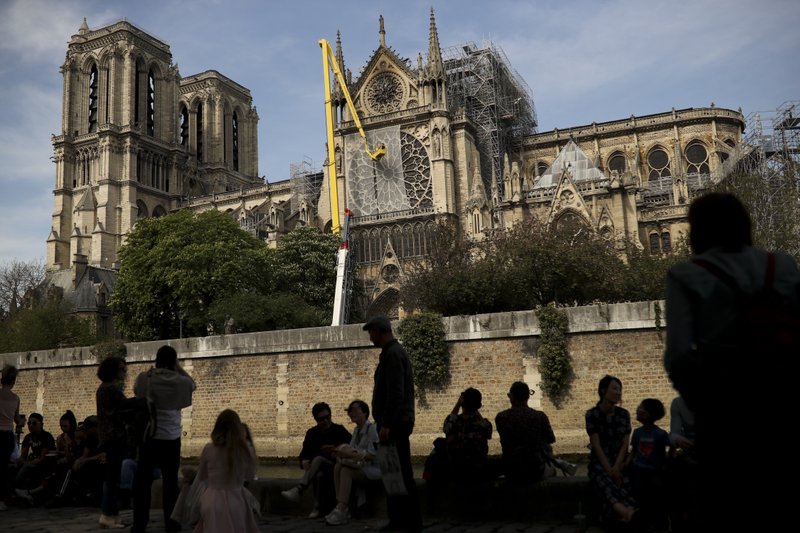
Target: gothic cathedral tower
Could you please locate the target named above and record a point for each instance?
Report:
(137, 140)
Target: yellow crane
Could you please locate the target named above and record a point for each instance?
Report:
(329, 62)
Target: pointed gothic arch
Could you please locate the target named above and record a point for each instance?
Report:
(570, 219)
(141, 210)
(235, 138)
(94, 96)
(386, 303)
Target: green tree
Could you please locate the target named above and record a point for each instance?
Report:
(175, 267)
(531, 264)
(305, 265)
(773, 204)
(43, 326)
(646, 274)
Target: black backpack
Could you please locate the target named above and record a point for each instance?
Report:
(765, 322)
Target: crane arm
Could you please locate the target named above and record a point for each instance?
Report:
(328, 63)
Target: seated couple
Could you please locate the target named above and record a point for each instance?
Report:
(329, 448)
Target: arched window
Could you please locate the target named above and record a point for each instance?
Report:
(658, 161)
(696, 158)
(235, 140)
(666, 242)
(159, 211)
(541, 168)
(141, 209)
(93, 90)
(200, 132)
(138, 82)
(617, 162)
(570, 222)
(655, 244)
(151, 103)
(184, 123)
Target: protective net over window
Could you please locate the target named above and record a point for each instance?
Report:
(400, 181)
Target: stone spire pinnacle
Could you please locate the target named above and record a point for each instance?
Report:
(339, 62)
(382, 31)
(84, 27)
(339, 53)
(434, 51)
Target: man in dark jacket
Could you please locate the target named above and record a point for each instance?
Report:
(317, 460)
(393, 409)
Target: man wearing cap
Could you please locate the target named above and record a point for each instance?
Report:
(393, 409)
(525, 436)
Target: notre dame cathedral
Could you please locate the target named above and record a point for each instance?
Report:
(459, 124)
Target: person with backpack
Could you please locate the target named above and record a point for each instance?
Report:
(733, 341)
(168, 389)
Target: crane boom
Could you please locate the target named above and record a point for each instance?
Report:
(341, 296)
(328, 63)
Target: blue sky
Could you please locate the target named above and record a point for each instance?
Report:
(585, 61)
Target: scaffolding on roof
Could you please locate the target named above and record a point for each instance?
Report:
(305, 184)
(774, 139)
(481, 81)
(771, 146)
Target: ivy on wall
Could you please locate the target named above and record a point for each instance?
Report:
(423, 337)
(554, 361)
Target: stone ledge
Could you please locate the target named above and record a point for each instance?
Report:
(593, 318)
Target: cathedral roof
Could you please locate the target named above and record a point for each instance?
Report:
(571, 158)
(383, 49)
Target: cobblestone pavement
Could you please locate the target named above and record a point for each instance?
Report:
(80, 519)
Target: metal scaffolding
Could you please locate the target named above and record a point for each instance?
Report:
(305, 183)
(771, 146)
(481, 81)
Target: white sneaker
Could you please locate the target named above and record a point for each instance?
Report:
(3, 506)
(336, 517)
(293, 494)
(110, 522)
(24, 495)
(314, 514)
(566, 467)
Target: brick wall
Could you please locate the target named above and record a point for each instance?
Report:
(273, 378)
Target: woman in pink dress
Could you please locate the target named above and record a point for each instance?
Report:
(226, 462)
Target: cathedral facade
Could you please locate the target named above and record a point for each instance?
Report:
(459, 126)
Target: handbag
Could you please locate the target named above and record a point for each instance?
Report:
(391, 474)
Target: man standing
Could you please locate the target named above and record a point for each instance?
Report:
(525, 436)
(393, 409)
(168, 389)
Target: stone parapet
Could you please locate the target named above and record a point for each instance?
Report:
(273, 378)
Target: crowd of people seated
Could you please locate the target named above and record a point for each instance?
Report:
(628, 468)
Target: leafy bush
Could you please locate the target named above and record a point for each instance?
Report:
(423, 337)
(554, 361)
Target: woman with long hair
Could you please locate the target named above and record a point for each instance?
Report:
(226, 462)
(65, 443)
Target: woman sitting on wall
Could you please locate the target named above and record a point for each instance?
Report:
(354, 461)
(609, 429)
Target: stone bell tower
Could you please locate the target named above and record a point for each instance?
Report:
(137, 140)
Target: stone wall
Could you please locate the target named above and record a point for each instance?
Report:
(273, 378)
